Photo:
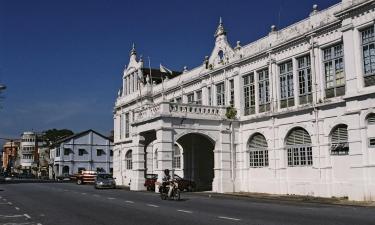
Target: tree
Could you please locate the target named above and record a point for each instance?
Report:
(51, 136)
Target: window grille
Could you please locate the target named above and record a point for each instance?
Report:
(264, 90)
(299, 149)
(286, 85)
(249, 94)
(258, 151)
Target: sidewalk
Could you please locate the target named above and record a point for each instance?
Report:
(291, 198)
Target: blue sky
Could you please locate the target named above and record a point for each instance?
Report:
(62, 61)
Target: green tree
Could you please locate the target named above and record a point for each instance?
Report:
(52, 135)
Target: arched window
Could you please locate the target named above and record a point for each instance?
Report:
(298, 145)
(339, 140)
(371, 119)
(128, 160)
(258, 151)
(176, 157)
(221, 55)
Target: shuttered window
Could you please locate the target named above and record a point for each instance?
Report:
(299, 149)
(339, 140)
(258, 151)
(371, 119)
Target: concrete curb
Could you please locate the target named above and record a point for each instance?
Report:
(291, 198)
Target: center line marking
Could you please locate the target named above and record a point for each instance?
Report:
(96, 195)
(129, 201)
(9, 203)
(152, 205)
(229, 218)
(110, 198)
(27, 216)
(184, 211)
(84, 193)
(17, 208)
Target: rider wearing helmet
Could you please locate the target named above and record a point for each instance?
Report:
(167, 181)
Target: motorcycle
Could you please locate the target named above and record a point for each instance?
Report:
(164, 189)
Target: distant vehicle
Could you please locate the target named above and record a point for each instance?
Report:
(183, 184)
(63, 177)
(84, 177)
(104, 180)
(150, 181)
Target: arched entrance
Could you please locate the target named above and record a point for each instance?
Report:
(198, 159)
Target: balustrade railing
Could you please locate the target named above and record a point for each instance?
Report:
(178, 110)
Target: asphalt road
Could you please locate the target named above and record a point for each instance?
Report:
(67, 203)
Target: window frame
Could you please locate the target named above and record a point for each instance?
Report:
(332, 61)
(220, 94)
(368, 77)
(264, 90)
(248, 81)
(286, 81)
(304, 79)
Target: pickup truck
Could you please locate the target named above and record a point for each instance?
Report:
(84, 177)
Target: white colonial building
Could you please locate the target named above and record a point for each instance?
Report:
(88, 150)
(305, 122)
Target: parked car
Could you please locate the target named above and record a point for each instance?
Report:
(84, 177)
(104, 180)
(150, 181)
(183, 184)
(63, 177)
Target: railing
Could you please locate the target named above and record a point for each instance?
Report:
(179, 110)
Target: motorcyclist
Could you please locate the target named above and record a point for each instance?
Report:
(167, 182)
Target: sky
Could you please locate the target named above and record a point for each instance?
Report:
(62, 60)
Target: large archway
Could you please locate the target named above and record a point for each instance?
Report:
(198, 159)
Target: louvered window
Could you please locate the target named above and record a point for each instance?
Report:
(371, 119)
(258, 151)
(298, 145)
(339, 140)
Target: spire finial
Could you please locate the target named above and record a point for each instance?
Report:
(220, 29)
(133, 52)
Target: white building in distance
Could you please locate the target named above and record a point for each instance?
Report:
(88, 150)
(305, 102)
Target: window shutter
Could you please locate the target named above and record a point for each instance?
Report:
(298, 136)
(371, 119)
(258, 141)
(340, 134)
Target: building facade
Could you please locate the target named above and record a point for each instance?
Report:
(88, 150)
(291, 113)
(10, 156)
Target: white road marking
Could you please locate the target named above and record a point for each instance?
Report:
(184, 211)
(17, 208)
(110, 198)
(96, 195)
(229, 218)
(84, 193)
(4, 199)
(11, 216)
(9, 203)
(129, 201)
(27, 216)
(156, 206)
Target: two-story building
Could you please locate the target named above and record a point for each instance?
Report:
(305, 102)
(88, 150)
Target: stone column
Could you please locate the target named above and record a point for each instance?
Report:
(164, 141)
(138, 161)
(222, 165)
(352, 61)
